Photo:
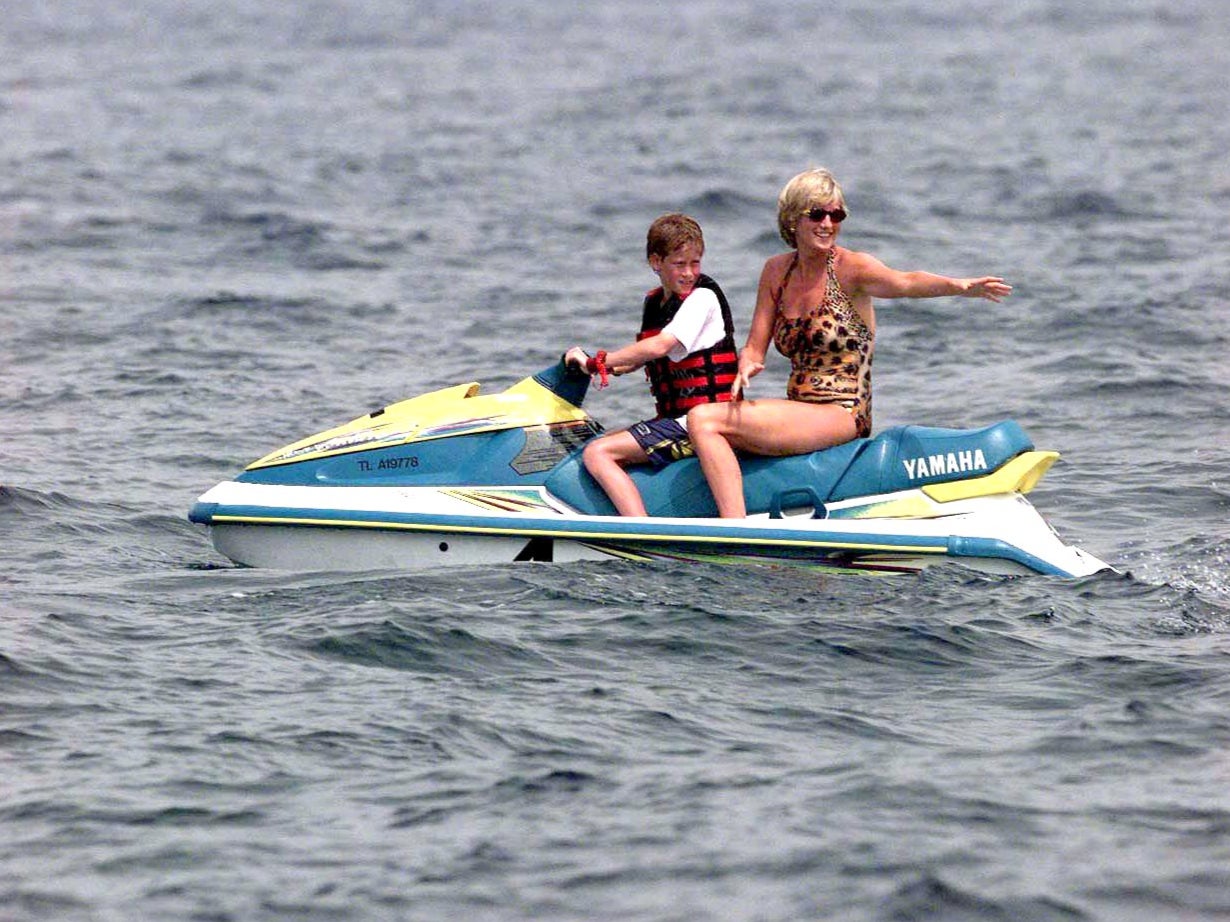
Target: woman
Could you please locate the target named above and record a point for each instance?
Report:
(815, 303)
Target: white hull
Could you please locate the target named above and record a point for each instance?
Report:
(347, 549)
(322, 528)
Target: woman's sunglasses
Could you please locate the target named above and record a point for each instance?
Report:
(817, 214)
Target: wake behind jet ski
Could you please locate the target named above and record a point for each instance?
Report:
(460, 477)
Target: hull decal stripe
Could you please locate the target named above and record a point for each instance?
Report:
(583, 531)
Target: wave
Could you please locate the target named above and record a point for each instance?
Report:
(931, 896)
(723, 203)
(310, 244)
(418, 645)
(62, 536)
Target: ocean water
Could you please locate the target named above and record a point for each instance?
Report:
(225, 225)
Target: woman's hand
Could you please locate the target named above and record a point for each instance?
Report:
(576, 356)
(748, 369)
(989, 287)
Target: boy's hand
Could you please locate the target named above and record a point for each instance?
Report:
(576, 356)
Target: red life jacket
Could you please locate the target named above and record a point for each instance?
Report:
(703, 376)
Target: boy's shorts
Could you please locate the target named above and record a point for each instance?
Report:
(664, 440)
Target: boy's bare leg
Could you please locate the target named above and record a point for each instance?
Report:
(605, 458)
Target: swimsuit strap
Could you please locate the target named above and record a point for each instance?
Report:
(832, 287)
(781, 289)
(830, 279)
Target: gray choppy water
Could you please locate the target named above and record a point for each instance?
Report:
(224, 225)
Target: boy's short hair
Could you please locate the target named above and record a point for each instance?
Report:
(670, 232)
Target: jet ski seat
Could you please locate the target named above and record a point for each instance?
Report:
(900, 458)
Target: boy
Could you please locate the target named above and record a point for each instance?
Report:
(687, 348)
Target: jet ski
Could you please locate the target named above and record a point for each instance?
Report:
(457, 476)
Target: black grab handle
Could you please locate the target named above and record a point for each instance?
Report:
(808, 494)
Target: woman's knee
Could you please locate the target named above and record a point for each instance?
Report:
(704, 421)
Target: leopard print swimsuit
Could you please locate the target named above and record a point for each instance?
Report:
(830, 350)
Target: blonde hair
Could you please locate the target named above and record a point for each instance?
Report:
(811, 188)
(670, 232)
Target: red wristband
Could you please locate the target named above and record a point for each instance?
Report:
(596, 365)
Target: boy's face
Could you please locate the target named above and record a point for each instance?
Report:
(678, 270)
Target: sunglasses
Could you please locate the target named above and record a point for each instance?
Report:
(817, 214)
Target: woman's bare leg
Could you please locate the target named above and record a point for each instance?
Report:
(761, 427)
(709, 428)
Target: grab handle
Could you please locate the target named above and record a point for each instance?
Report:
(807, 494)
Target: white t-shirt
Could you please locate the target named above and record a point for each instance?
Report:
(698, 324)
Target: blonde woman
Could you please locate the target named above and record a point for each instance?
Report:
(815, 303)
